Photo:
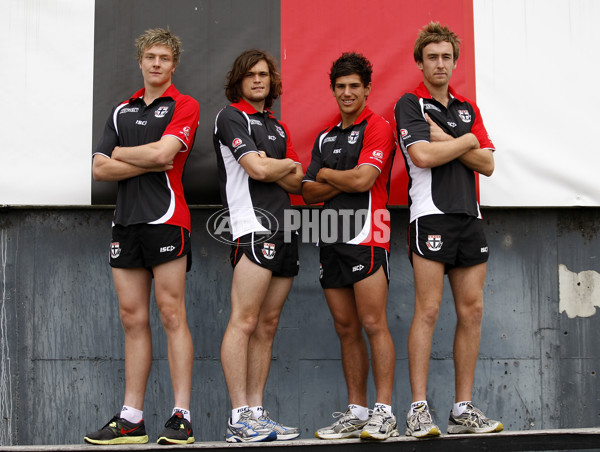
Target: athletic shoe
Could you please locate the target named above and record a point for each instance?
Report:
(420, 423)
(119, 431)
(347, 426)
(472, 420)
(283, 433)
(178, 430)
(248, 430)
(381, 426)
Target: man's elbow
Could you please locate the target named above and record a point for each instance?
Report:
(258, 173)
(98, 171)
(488, 171)
(307, 195)
(421, 160)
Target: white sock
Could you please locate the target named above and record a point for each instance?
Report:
(237, 412)
(416, 404)
(460, 407)
(131, 414)
(383, 407)
(257, 411)
(186, 413)
(361, 412)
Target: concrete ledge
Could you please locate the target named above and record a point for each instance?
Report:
(530, 440)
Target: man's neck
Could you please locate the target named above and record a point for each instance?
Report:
(348, 120)
(439, 93)
(258, 106)
(151, 93)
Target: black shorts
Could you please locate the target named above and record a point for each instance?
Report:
(342, 265)
(455, 240)
(274, 254)
(148, 245)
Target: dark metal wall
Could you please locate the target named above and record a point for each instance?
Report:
(62, 351)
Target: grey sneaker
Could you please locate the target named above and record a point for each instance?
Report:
(247, 430)
(420, 424)
(381, 426)
(346, 426)
(283, 433)
(473, 421)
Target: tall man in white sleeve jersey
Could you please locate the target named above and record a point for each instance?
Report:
(444, 142)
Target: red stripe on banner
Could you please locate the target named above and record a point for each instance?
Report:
(314, 33)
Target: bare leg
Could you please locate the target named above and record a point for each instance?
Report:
(169, 288)
(371, 300)
(355, 358)
(429, 286)
(467, 288)
(133, 289)
(260, 346)
(248, 289)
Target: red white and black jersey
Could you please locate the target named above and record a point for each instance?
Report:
(240, 129)
(155, 197)
(448, 188)
(362, 218)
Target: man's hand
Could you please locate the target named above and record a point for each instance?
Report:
(436, 133)
(321, 175)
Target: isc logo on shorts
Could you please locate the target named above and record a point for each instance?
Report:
(357, 268)
(166, 249)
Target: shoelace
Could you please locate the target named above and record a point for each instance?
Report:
(343, 417)
(476, 414)
(248, 419)
(424, 417)
(266, 418)
(379, 415)
(174, 422)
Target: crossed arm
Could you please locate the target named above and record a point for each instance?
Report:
(331, 182)
(443, 148)
(284, 172)
(126, 162)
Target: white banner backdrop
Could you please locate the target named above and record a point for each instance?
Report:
(536, 65)
(48, 55)
(535, 60)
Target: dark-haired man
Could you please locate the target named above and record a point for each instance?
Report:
(258, 168)
(145, 145)
(349, 172)
(444, 141)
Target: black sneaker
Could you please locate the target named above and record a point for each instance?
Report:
(177, 430)
(119, 431)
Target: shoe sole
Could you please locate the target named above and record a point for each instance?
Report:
(433, 432)
(287, 437)
(355, 434)
(120, 440)
(458, 429)
(253, 439)
(378, 436)
(164, 440)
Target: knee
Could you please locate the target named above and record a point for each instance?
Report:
(245, 324)
(348, 330)
(266, 328)
(470, 315)
(427, 316)
(373, 324)
(133, 320)
(172, 317)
